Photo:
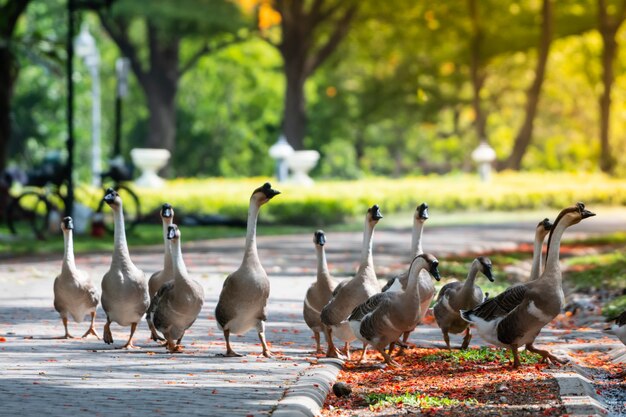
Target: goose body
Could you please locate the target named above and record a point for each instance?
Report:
(350, 293)
(167, 273)
(319, 293)
(382, 318)
(457, 296)
(243, 299)
(619, 327)
(177, 304)
(515, 317)
(125, 296)
(74, 293)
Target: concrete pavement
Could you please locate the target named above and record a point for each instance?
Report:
(86, 377)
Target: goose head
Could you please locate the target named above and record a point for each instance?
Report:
(112, 198)
(319, 238)
(167, 212)
(264, 193)
(173, 232)
(432, 264)
(67, 224)
(421, 213)
(374, 214)
(543, 228)
(573, 215)
(485, 267)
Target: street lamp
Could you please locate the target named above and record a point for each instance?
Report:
(85, 47)
(280, 151)
(484, 155)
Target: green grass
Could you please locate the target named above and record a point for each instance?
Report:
(614, 307)
(481, 355)
(605, 270)
(414, 399)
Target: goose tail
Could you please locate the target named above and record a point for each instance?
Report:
(467, 315)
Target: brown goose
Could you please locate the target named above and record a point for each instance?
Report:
(542, 230)
(515, 317)
(125, 296)
(457, 296)
(381, 319)
(319, 293)
(74, 293)
(243, 299)
(178, 302)
(350, 293)
(167, 273)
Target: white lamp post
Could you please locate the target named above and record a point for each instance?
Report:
(484, 155)
(280, 151)
(86, 48)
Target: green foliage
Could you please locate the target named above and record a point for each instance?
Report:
(481, 355)
(607, 271)
(414, 399)
(614, 307)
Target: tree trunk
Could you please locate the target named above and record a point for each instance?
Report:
(162, 120)
(294, 113)
(478, 78)
(524, 136)
(7, 77)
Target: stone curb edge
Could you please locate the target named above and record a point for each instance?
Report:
(306, 397)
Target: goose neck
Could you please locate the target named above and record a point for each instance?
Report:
(552, 269)
(535, 270)
(167, 258)
(119, 234)
(416, 237)
(368, 237)
(323, 276)
(411, 292)
(178, 263)
(69, 263)
(468, 285)
(251, 249)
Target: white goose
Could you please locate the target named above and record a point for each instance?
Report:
(350, 293)
(381, 319)
(515, 317)
(319, 293)
(177, 304)
(125, 296)
(74, 292)
(243, 300)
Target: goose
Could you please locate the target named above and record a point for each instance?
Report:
(74, 293)
(457, 296)
(541, 231)
(243, 299)
(167, 273)
(350, 293)
(381, 319)
(515, 317)
(619, 327)
(125, 296)
(319, 293)
(178, 302)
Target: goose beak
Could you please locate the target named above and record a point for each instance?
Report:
(68, 223)
(375, 212)
(171, 232)
(423, 211)
(488, 273)
(547, 225)
(320, 238)
(109, 196)
(584, 213)
(434, 271)
(269, 191)
(166, 211)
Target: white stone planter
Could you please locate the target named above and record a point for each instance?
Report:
(149, 161)
(300, 163)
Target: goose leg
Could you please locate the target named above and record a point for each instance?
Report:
(173, 347)
(405, 337)
(92, 328)
(446, 338)
(516, 361)
(392, 346)
(346, 350)
(388, 359)
(318, 346)
(332, 351)
(261, 330)
(153, 332)
(363, 353)
(67, 334)
(466, 339)
(545, 355)
(229, 351)
(106, 335)
(129, 342)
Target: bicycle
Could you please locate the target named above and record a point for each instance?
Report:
(39, 206)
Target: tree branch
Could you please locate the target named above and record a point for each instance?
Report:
(340, 31)
(206, 49)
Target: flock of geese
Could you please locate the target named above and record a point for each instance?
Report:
(356, 308)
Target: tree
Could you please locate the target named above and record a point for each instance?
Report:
(524, 135)
(165, 25)
(608, 25)
(309, 36)
(477, 73)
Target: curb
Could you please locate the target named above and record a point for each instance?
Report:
(306, 397)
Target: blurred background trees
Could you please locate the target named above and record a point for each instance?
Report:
(379, 88)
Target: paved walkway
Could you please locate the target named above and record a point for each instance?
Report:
(86, 377)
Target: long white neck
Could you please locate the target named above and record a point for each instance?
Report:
(68, 255)
(120, 248)
(253, 214)
(366, 252)
(411, 295)
(323, 276)
(178, 264)
(468, 285)
(416, 237)
(167, 258)
(535, 270)
(553, 268)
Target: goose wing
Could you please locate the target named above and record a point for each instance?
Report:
(447, 288)
(367, 307)
(390, 282)
(499, 306)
